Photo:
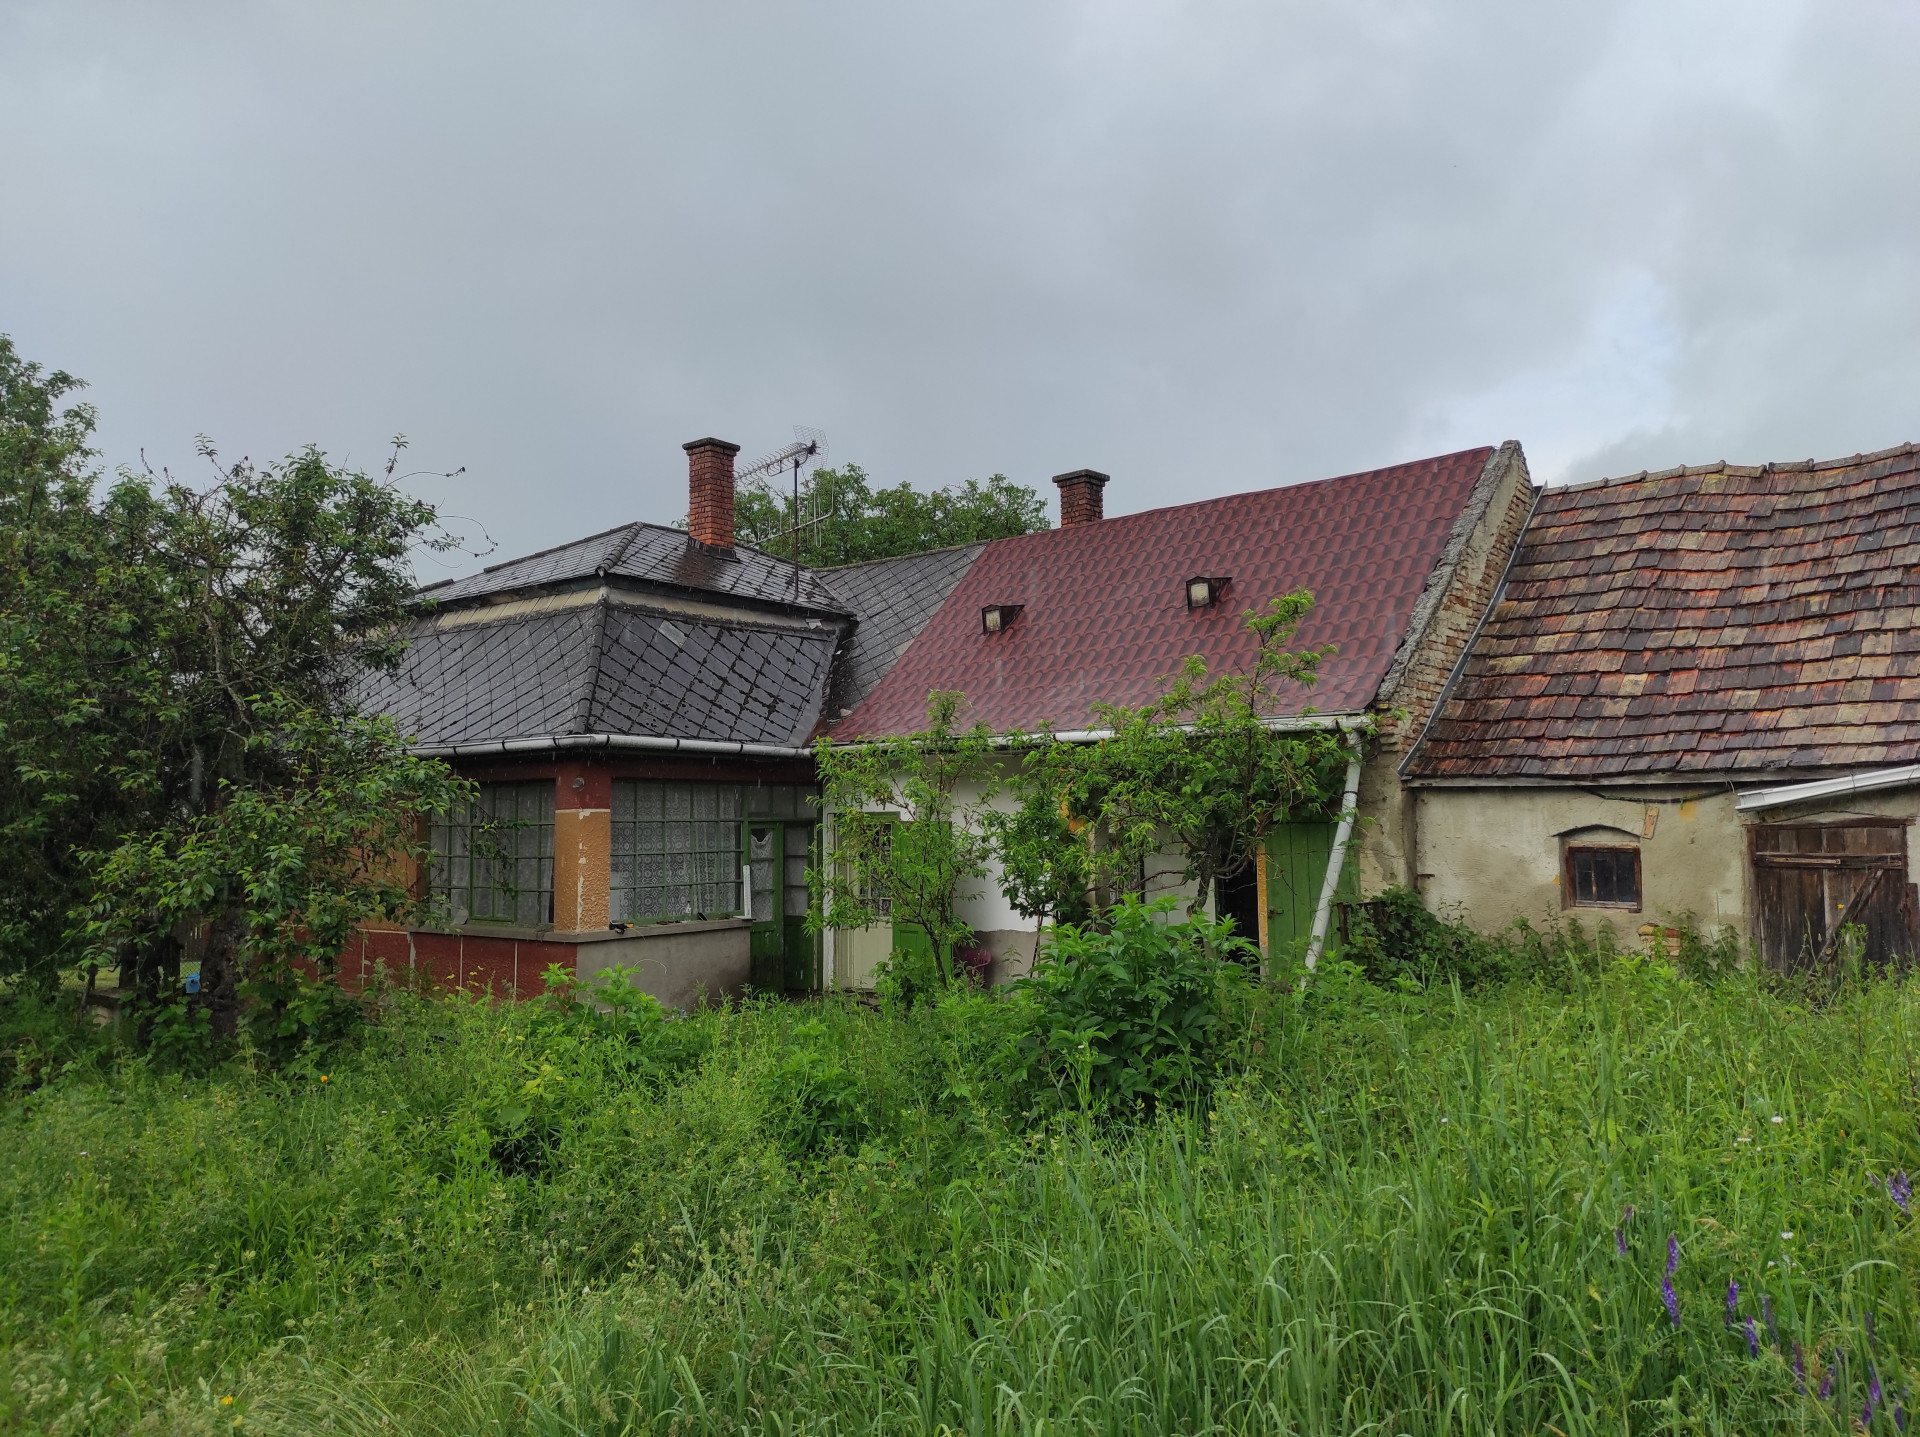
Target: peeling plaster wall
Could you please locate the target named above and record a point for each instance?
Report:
(1492, 856)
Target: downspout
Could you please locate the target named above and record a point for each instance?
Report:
(1349, 802)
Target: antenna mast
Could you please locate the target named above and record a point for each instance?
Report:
(809, 447)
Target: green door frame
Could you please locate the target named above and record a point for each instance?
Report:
(783, 956)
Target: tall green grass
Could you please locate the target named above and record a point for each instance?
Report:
(1399, 1213)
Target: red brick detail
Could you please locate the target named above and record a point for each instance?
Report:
(583, 785)
(1080, 498)
(710, 491)
(1465, 603)
(482, 964)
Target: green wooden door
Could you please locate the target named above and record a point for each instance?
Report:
(801, 953)
(1297, 857)
(785, 955)
(768, 940)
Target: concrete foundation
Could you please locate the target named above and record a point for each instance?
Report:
(684, 965)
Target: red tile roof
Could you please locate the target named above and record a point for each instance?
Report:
(1699, 621)
(1105, 614)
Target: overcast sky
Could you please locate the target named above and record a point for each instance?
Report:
(1204, 247)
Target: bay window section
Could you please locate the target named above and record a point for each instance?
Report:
(493, 858)
(676, 851)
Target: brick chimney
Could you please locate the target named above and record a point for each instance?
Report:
(1080, 497)
(710, 492)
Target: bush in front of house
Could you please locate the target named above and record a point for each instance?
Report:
(1131, 1015)
(1397, 942)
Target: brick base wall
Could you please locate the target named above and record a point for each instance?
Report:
(503, 967)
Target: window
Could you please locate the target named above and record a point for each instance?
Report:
(676, 850)
(1603, 877)
(782, 800)
(493, 860)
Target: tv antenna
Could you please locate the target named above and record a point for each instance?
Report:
(809, 447)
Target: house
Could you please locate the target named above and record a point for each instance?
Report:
(1402, 563)
(637, 708)
(1698, 693)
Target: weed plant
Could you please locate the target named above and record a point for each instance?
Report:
(1611, 1199)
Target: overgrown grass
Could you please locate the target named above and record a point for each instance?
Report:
(1403, 1212)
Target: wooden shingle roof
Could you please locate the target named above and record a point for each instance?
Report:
(1707, 620)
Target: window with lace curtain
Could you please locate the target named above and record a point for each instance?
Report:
(676, 851)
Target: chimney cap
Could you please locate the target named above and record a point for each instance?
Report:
(1080, 501)
(710, 443)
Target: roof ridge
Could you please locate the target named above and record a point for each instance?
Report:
(550, 549)
(1743, 471)
(1485, 449)
(916, 554)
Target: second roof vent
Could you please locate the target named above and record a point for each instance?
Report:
(1204, 592)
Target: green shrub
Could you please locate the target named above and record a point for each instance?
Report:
(1396, 941)
(812, 1097)
(1134, 1014)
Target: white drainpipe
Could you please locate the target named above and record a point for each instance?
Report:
(1337, 859)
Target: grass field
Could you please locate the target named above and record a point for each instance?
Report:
(1398, 1212)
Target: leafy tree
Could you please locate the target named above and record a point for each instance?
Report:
(83, 674)
(304, 841)
(859, 522)
(1201, 766)
(181, 760)
(903, 846)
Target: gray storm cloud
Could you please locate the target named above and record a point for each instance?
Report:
(1204, 247)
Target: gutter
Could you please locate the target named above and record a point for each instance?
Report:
(607, 742)
(647, 743)
(1298, 723)
(1756, 800)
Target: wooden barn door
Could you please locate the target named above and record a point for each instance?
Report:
(1811, 880)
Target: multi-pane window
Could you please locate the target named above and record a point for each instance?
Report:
(676, 850)
(1603, 877)
(493, 858)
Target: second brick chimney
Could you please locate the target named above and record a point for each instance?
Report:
(1080, 501)
(710, 492)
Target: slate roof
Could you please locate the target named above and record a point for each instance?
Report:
(1707, 620)
(648, 554)
(604, 666)
(893, 599)
(1106, 616)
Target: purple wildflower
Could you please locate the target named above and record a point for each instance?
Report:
(1733, 1300)
(1799, 1369)
(1753, 1338)
(1620, 1241)
(1671, 1298)
(1766, 1311)
(1899, 1415)
(1900, 1189)
(1873, 1397)
(1673, 1254)
(1826, 1383)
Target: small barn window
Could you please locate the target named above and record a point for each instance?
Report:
(1599, 877)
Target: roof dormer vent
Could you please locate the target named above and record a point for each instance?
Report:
(1204, 592)
(997, 618)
